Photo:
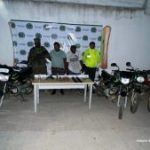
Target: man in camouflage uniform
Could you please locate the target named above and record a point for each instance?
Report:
(37, 58)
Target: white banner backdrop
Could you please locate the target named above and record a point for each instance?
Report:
(23, 32)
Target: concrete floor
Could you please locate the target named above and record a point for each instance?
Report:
(66, 123)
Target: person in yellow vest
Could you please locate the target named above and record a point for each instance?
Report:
(91, 58)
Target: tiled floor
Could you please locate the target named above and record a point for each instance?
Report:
(64, 122)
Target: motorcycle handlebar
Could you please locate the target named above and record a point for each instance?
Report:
(130, 69)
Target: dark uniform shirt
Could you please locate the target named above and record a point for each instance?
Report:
(37, 60)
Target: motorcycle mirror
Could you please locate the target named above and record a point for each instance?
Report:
(128, 64)
(113, 65)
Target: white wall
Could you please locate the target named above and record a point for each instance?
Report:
(129, 39)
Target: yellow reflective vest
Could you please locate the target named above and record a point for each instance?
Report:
(91, 57)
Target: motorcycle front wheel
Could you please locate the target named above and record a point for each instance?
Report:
(148, 103)
(1, 98)
(120, 115)
(121, 108)
(3, 88)
(134, 102)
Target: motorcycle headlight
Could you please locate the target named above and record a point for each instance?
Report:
(140, 79)
(125, 80)
(4, 77)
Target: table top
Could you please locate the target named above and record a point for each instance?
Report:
(65, 80)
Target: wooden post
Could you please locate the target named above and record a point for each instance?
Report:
(104, 46)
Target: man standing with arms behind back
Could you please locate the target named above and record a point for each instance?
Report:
(74, 61)
(59, 65)
(91, 59)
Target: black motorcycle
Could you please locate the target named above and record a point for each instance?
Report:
(18, 81)
(123, 85)
(139, 77)
(107, 85)
(4, 77)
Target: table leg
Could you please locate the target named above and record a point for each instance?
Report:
(90, 96)
(36, 93)
(85, 91)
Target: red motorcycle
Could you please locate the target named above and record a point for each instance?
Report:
(147, 83)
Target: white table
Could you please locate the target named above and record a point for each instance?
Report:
(66, 83)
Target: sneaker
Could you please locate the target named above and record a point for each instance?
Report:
(93, 91)
(53, 92)
(62, 91)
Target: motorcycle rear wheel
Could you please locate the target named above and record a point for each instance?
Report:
(100, 89)
(29, 90)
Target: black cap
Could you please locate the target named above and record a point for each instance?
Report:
(37, 39)
(73, 46)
